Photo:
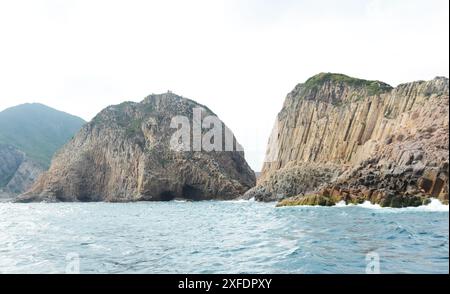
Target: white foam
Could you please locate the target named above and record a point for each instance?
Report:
(242, 200)
(341, 204)
(369, 205)
(239, 201)
(366, 204)
(434, 205)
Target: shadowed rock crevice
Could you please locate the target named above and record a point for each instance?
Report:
(192, 193)
(167, 196)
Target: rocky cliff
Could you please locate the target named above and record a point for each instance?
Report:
(340, 138)
(17, 171)
(125, 154)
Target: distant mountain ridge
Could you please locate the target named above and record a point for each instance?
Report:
(37, 130)
(29, 136)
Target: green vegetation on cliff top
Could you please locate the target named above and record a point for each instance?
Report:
(130, 115)
(373, 87)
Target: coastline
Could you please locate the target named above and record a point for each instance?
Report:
(434, 205)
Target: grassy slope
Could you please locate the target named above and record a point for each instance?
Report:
(37, 130)
(373, 87)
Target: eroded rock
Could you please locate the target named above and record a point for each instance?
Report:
(124, 154)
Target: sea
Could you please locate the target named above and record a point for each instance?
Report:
(211, 237)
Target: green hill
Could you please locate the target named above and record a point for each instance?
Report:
(37, 130)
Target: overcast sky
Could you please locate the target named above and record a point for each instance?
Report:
(239, 57)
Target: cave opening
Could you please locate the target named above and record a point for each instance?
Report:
(167, 196)
(192, 193)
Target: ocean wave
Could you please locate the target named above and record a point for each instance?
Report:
(242, 200)
(434, 205)
(343, 204)
(217, 237)
(370, 205)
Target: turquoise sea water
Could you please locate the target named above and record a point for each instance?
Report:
(221, 237)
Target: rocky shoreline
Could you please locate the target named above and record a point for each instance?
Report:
(337, 138)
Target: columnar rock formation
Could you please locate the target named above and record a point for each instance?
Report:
(124, 154)
(341, 138)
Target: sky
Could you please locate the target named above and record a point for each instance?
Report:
(238, 57)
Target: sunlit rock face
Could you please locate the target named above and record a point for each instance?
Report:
(357, 140)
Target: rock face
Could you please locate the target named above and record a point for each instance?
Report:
(124, 154)
(292, 180)
(364, 140)
(17, 171)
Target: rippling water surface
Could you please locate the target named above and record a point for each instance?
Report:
(221, 237)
